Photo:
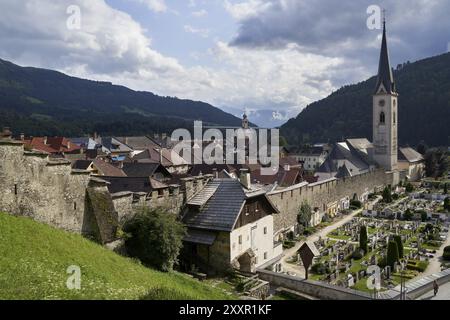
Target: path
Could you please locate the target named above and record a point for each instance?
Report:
(435, 263)
(298, 270)
(443, 294)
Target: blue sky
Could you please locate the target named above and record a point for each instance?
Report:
(270, 58)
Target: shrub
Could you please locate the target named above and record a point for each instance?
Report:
(304, 214)
(392, 254)
(155, 237)
(358, 254)
(408, 215)
(363, 238)
(319, 268)
(356, 203)
(395, 196)
(446, 254)
(409, 187)
(447, 204)
(387, 195)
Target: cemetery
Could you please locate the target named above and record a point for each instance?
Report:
(398, 238)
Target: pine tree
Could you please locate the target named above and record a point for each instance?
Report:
(392, 254)
(363, 239)
(398, 240)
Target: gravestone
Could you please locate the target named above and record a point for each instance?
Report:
(388, 272)
(350, 281)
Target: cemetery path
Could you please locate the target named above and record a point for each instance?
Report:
(298, 270)
(435, 263)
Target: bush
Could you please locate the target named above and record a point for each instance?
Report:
(358, 254)
(395, 196)
(356, 203)
(165, 294)
(319, 268)
(447, 204)
(387, 195)
(155, 237)
(447, 249)
(408, 215)
(409, 187)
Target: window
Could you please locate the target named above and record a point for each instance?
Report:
(394, 120)
(15, 189)
(256, 207)
(247, 212)
(265, 230)
(382, 118)
(265, 255)
(240, 239)
(74, 206)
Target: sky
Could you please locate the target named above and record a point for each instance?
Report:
(269, 58)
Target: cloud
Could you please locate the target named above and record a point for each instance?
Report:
(202, 32)
(154, 5)
(416, 29)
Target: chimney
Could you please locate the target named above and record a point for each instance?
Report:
(245, 178)
(22, 136)
(163, 136)
(45, 140)
(68, 144)
(287, 167)
(215, 173)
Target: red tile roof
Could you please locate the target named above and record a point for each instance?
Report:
(53, 145)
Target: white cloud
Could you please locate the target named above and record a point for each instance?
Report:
(202, 32)
(245, 9)
(154, 5)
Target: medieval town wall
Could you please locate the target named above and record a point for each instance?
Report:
(32, 185)
(325, 196)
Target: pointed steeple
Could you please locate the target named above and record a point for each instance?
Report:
(385, 75)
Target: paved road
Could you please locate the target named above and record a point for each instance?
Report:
(443, 294)
(299, 271)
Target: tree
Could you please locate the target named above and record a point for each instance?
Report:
(363, 239)
(422, 148)
(392, 254)
(445, 188)
(408, 215)
(409, 187)
(398, 240)
(447, 204)
(446, 254)
(304, 214)
(387, 195)
(155, 237)
(436, 162)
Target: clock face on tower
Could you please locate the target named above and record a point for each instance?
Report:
(382, 103)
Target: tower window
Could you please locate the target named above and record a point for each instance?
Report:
(395, 118)
(382, 118)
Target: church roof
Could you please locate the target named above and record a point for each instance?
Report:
(410, 155)
(385, 75)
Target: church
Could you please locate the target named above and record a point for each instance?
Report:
(357, 156)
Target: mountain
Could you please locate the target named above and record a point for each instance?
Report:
(44, 102)
(424, 108)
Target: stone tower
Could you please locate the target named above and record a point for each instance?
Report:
(385, 112)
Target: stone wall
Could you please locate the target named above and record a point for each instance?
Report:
(33, 185)
(323, 195)
(313, 288)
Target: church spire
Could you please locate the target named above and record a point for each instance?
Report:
(385, 76)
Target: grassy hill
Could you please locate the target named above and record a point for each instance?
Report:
(34, 258)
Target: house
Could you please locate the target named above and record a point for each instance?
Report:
(313, 157)
(230, 227)
(170, 160)
(98, 167)
(153, 170)
(412, 162)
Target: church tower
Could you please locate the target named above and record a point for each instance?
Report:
(385, 112)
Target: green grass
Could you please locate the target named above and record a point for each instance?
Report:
(34, 259)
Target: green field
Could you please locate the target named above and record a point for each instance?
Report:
(34, 259)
